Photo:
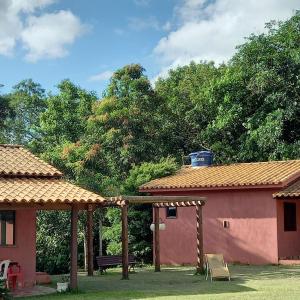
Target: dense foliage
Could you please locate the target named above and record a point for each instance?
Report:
(139, 216)
(245, 110)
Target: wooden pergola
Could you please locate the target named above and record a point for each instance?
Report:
(123, 202)
(157, 202)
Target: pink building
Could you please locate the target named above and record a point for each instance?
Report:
(252, 212)
(28, 184)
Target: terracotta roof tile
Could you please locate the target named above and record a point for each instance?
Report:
(15, 160)
(234, 175)
(291, 191)
(37, 190)
(26, 178)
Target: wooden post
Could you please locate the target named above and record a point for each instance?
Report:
(74, 234)
(200, 255)
(90, 239)
(124, 209)
(100, 229)
(156, 240)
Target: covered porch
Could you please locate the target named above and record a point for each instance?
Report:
(27, 185)
(18, 224)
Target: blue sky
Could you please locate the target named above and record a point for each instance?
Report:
(86, 40)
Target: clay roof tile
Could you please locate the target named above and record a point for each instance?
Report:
(234, 175)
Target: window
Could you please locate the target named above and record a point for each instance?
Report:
(226, 224)
(290, 216)
(7, 228)
(171, 212)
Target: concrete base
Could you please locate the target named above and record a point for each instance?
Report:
(34, 291)
(289, 262)
(43, 278)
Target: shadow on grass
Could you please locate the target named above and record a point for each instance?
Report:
(169, 282)
(177, 281)
(270, 272)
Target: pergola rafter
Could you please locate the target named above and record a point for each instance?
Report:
(178, 204)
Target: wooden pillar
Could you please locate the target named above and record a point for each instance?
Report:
(90, 239)
(74, 234)
(156, 240)
(124, 209)
(200, 253)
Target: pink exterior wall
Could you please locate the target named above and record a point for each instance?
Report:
(251, 237)
(289, 241)
(24, 251)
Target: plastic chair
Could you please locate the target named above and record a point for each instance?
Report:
(15, 275)
(4, 265)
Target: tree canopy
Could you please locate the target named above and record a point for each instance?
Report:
(244, 110)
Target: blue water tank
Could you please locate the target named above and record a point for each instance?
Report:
(201, 158)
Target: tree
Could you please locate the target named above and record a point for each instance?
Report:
(126, 122)
(190, 107)
(62, 124)
(26, 103)
(247, 110)
(258, 113)
(4, 113)
(66, 114)
(53, 236)
(140, 216)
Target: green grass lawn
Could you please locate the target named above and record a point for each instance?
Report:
(248, 282)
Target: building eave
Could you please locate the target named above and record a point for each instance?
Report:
(217, 188)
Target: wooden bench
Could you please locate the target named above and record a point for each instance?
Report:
(105, 262)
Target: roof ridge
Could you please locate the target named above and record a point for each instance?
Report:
(12, 146)
(268, 162)
(240, 163)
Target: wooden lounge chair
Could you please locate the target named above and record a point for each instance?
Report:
(216, 267)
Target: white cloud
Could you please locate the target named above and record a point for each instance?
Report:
(210, 30)
(102, 76)
(48, 35)
(29, 6)
(10, 27)
(43, 36)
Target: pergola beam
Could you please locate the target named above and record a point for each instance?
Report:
(159, 199)
(115, 201)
